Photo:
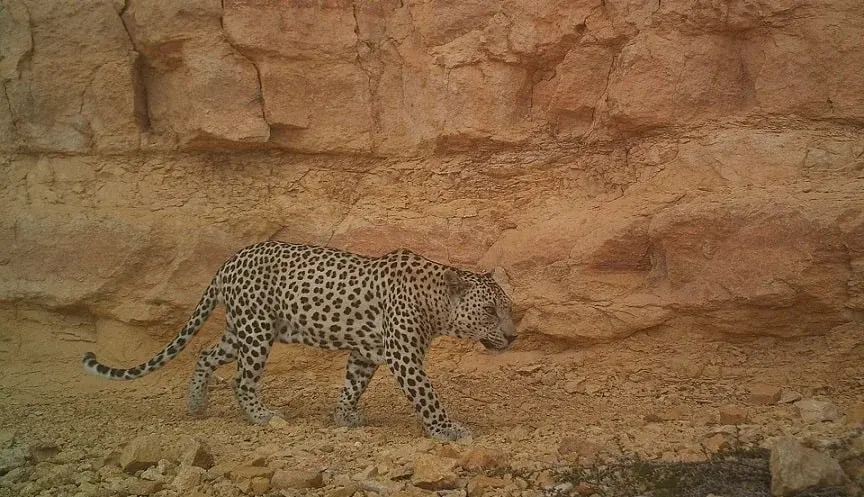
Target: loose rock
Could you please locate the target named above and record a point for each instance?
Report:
(141, 453)
(134, 486)
(855, 415)
(346, 491)
(7, 437)
(259, 485)
(671, 414)
(816, 411)
(480, 458)
(733, 415)
(716, 442)
(795, 468)
(480, 485)
(44, 452)
(12, 458)
(578, 446)
(188, 477)
(789, 396)
(765, 394)
(248, 472)
(284, 479)
(434, 473)
(194, 452)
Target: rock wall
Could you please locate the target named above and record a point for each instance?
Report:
(631, 164)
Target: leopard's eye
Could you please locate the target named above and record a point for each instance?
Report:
(490, 310)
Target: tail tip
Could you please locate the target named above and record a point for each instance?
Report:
(89, 356)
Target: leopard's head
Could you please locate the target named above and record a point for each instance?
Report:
(479, 309)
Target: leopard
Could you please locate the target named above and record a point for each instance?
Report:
(383, 311)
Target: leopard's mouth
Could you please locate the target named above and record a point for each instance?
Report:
(492, 346)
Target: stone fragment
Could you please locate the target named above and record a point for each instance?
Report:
(161, 472)
(670, 414)
(194, 452)
(43, 451)
(7, 437)
(481, 484)
(435, 473)
(578, 446)
(761, 394)
(278, 423)
(789, 396)
(135, 486)
(583, 488)
(573, 386)
(549, 379)
(296, 478)
(346, 491)
(248, 472)
(219, 470)
(12, 458)
(480, 458)
(795, 468)
(854, 468)
(259, 485)
(855, 415)
(188, 477)
(367, 473)
(141, 453)
(816, 411)
(529, 370)
(381, 487)
(716, 442)
(733, 415)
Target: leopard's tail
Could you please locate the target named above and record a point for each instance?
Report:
(208, 302)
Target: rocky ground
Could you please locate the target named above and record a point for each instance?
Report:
(645, 416)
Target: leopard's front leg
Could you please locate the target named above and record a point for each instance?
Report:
(358, 374)
(412, 378)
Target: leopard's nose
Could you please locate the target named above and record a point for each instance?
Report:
(510, 338)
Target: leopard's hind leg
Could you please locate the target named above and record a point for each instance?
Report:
(256, 337)
(208, 360)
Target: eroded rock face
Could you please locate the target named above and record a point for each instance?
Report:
(629, 165)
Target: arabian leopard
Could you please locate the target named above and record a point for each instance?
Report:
(382, 310)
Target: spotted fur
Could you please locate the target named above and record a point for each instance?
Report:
(383, 311)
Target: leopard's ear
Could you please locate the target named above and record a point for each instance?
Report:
(456, 284)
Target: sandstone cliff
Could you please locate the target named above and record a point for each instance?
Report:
(631, 165)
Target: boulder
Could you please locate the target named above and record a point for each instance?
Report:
(795, 468)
